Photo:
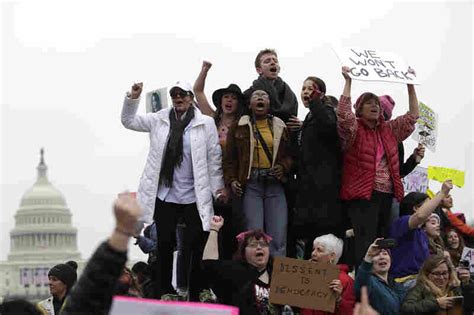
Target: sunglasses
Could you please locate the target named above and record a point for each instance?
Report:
(181, 94)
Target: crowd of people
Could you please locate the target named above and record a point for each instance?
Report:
(233, 187)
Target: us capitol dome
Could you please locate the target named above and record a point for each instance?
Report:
(43, 236)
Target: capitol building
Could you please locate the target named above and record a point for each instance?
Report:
(43, 236)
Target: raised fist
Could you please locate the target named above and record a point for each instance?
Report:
(127, 212)
(206, 65)
(136, 90)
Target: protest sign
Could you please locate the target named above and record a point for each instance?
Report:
(468, 255)
(374, 65)
(426, 128)
(416, 181)
(156, 100)
(440, 174)
(125, 306)
(430, 193)
(303, 284)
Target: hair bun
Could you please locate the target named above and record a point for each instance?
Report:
(72, 264)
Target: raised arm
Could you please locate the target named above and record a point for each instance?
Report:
(348, 82)
(211, 250)
(412, 99)
(346, 119)
(199, 90)
(422, 214)
(459, 225)
(130, 119)
(364, 273)
(93, 292)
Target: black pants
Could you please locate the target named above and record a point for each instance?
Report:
(370, 219)
(166, 217)
(233, 225)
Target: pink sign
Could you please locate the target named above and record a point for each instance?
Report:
(126, 305)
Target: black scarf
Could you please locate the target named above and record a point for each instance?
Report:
(283, 102)
(174, 148)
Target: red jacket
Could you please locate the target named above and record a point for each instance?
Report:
(359, 162)
(459, 225)
(346, 306)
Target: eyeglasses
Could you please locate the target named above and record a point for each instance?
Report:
(443, 274)
(255, 244)
(181, 94)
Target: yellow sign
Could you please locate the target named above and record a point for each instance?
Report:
(441, 174)
(430, 193)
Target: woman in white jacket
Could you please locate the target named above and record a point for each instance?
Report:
(182, 174)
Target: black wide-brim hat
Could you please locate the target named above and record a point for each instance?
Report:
(232, 88)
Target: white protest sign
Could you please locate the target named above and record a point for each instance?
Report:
(416, 181)
(374, 65)
(468, 255)
(156, 100)
(426, 128)
(125, 306)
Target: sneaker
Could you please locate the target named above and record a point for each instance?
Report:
(207, 296)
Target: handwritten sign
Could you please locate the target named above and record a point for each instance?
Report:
(156, 100)
(440, 174)
(374, 65)
(416, 181)
(303, 284)
(125, 306)
(426, 127)
(468, 255)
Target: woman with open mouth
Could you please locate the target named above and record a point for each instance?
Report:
(371, 167)
(182, 174)
(229, 104)
(454, 245)
(433, 231)
(255, 164)
(244, 281)
(413, 241)
(327, 249)
(385, 295)
(319, 164)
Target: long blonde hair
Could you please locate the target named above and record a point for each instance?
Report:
(428, 266)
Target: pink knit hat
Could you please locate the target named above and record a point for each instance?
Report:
(361, 99)
(387, 104)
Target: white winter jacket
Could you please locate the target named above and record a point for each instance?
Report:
(205, 151)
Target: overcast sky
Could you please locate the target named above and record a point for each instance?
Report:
(66, 65)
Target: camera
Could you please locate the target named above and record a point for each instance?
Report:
(464, 264)
(387, 243)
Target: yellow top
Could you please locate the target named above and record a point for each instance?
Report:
(260, 159)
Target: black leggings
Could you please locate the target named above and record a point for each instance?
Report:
(166, 217)
(370, 219)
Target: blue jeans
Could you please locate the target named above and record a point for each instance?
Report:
(264, 207)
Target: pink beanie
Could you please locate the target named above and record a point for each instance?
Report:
(361, 99)
(387, 104)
